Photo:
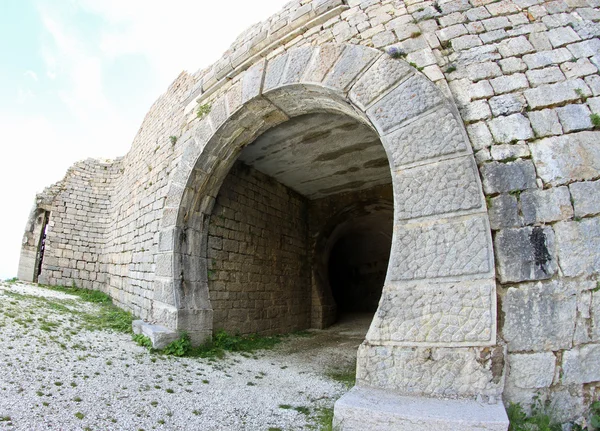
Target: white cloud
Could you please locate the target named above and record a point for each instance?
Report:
(31, 74)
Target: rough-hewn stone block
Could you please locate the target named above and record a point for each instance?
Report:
(508, 177)
(581, 364)
(539, 317)
(578, 246)
(503, 212)
(532, 370)
(581, 194)
(525, 254)
(543, 206)
(562, 159)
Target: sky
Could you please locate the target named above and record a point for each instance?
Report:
(78, 76)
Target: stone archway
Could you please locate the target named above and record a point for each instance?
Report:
(434, 332)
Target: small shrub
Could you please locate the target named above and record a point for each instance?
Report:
(396, 52)
(451, 68)
(415, 34)
(595, 118)
(173, 139)
(203, 110)
(179, 347)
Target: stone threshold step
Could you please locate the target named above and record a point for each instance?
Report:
(379, 410)
(160, 336)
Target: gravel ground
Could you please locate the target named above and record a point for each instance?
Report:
(56, 375)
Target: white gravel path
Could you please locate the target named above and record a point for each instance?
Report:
(49, 375)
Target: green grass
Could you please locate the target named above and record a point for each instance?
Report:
(346, 377)
(595, 119)
(324, 419)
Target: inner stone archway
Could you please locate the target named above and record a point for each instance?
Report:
(276, 203)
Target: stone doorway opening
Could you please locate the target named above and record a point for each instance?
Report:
(300, 233)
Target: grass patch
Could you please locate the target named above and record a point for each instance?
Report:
(347, 377)
(324, 419)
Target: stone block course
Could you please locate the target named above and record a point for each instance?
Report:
(508, 177)
(544, 206)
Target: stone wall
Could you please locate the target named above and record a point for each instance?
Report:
(259, 276)
(524, 76)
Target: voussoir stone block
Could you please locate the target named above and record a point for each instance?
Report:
(539, 316)
(418, 141)
(525, 254)
(444, 372)
(298, 59)
(275, 69)
(351, 63)
(384, 73)
(393, 109)
(567, 158)
(447, 248)
(437, 188)
(252, 81)
(446, 313)
(322, 61)
(508, 177)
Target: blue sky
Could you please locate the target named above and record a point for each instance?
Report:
(78, 76)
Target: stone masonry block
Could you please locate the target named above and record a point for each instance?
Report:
(437, 188)
(511, 128)
(377, 79)
(539, 317)
(545, 123)
(322, 62)
(442, 372)
(352, 62)
(567, 158)
(503, 212)
(578, 245)
(581, 364)
(574, 118)
(508, 177)
(393, 109)
(544, 206)
(581, 193)
(417, 142)
(555, 94)
(525, 254)
(298, 59)
(443, 249)
(532, 370)
(435, 313)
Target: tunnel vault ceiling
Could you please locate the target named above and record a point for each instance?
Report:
(319, 155)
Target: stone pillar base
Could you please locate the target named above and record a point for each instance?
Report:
(378, 410)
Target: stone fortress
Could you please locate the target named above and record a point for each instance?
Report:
(434, 162)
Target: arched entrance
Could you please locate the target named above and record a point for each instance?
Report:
(434, 331)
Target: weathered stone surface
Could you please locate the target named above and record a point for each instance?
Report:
(562, 159)
(442, 372)
(503, 212)
(323, 60)
(447, 313)
(297, 61)
(354, 60)
(581, 364)
(392, 110)
(545, 123)
(437, 188)
(450, 248)
(275, 69)
(511, 128)
(507, 104)
(554, 94)
(581, 193)
(508, 177)
(543, 206)
(417, 142)
(578, 246)
(525, 254)
(595, 315)
(510, 151)
(574, 118)
(377, 79)
(539, 316)
(532, 370)
(160, 336)
(479, 135)
(368, 408)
